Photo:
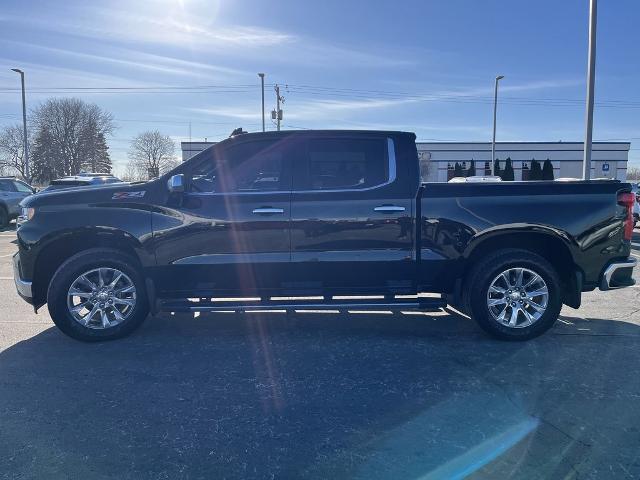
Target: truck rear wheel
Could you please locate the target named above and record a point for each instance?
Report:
(98, 295)
(514, 294)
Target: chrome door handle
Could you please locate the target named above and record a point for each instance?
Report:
(267, 210)
(389, 209)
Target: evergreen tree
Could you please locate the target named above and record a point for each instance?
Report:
(536, 171)
(457, 170)
(99, 161)
(496, 168)
(45, 159)
(547, 170)
(472, 169)
(508, 175)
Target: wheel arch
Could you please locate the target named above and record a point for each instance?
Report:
(57, 250)
(552, 244)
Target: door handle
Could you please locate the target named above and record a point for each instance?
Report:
(267, 210)
(389, 209)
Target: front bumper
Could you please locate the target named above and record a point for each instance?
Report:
(22, 286)
(618, 275)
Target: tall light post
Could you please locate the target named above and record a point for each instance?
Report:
(591, 83)
(261, 75)
(24, 125)
(495, 108)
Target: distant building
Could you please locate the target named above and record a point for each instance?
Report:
(189, 149)
(438, 159)
(608, 159)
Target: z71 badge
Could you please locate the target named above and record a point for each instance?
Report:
(127, 195)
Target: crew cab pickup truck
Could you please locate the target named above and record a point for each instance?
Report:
(315, 219)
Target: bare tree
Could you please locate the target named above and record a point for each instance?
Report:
(633, 174)
(12, 158)
(69, 135)
(131, 173)
(151, 154)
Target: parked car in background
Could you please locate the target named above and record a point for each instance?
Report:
(81, 180)
(12, 192)
(636, 205)
(476, 179)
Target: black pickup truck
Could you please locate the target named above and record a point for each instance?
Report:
(317, 219)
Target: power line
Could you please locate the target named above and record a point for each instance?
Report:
(317, 90)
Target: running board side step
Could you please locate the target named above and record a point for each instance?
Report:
(207, 305)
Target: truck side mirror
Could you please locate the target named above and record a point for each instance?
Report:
(175, 184)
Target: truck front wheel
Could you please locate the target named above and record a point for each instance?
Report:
(514, 294)
(98, 295)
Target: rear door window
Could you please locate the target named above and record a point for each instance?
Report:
(344, 164)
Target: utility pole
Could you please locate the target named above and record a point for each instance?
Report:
(591, 83)
(261, 75)
(495, 108)
(277, 113)
(24, 126)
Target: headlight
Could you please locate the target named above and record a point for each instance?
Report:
(27, 213)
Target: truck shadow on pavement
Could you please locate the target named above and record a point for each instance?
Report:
(323, 396)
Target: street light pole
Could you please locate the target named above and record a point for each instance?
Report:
(591, 83)
(495, 107)
(261, 75)
(24, 125)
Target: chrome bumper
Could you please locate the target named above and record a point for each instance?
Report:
(618, 275)
(23, 287)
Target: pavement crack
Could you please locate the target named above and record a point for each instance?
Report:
(558, 429)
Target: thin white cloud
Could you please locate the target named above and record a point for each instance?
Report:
(142, 61)
(239, 113)
(159, 27)
(200, 34)
(43, 75)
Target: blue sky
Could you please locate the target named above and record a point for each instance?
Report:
(424, 66)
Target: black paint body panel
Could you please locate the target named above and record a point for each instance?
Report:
(212, 244)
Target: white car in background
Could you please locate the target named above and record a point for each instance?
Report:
(475, 179)
(636, 205)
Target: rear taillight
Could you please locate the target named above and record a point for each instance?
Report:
(626, 200)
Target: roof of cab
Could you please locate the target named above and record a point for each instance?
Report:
(283, 133)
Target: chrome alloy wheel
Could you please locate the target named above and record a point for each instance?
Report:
(517, 298)
(101, 298)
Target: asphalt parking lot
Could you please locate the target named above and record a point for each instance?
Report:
(321, 395)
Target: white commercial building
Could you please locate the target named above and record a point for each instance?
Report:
(438, 159)
(608, 159)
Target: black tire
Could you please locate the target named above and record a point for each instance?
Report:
(484, 272)
(76, 266)
(4, 217)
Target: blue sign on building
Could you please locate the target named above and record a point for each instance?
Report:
(605, 167)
